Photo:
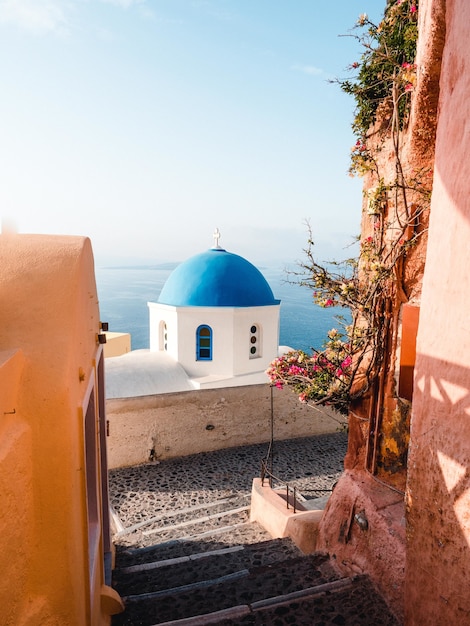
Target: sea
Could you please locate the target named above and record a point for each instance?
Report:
(124, 292)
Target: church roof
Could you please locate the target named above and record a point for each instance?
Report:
(217, 278)
(144, 373)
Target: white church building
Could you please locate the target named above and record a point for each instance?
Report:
(215, 324)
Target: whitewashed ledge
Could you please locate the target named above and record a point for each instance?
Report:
(164, 426)
(144, 373)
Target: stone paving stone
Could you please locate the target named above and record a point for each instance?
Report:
(175, 574)
(251, 585)
(138, 493)
(262, 550)
(186, 499)
(213, 528)
(359, 605)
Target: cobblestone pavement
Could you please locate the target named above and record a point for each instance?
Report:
(185, 546)
(312, 464)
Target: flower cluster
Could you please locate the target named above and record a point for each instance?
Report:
(361, 158)
(322, 377)
(408, 75)
(320, 300)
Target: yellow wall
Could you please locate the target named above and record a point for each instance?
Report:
(49, 321)
(116, 344)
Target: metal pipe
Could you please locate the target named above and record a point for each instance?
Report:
(271, 448)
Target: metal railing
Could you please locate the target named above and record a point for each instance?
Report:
(292, 493)
(265, 472)
(268, 472)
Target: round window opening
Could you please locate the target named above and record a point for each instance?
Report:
(253, 350)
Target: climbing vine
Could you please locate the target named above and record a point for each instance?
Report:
(352, 356)
(385, 76)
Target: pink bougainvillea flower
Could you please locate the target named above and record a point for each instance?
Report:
(409, 87)
(329, 302)
(360, 145)
(413, 8)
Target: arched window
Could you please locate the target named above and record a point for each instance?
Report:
(204, 343)
(255, 343)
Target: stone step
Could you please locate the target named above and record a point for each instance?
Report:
(251, 537)
(347, 602)
(211, 521)
(182, 522)
(245, 533)
(194, 530)
(267, 611)
(148, 576)
(152, 517)
(211, 590)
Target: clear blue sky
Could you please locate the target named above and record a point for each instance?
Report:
(144, 124)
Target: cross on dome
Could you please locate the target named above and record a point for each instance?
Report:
(216, 236)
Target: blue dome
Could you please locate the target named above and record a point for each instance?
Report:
(217, 278)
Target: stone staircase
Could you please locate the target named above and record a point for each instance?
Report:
(208, 564)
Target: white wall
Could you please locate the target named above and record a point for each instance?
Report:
(231, 332)
(179, 424)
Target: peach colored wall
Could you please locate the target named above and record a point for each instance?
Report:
(438, 493)
(379, 549)
(49, 320)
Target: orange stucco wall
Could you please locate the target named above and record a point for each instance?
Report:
(49, 320)
(438, 493)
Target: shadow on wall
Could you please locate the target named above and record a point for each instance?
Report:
(438, 494)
